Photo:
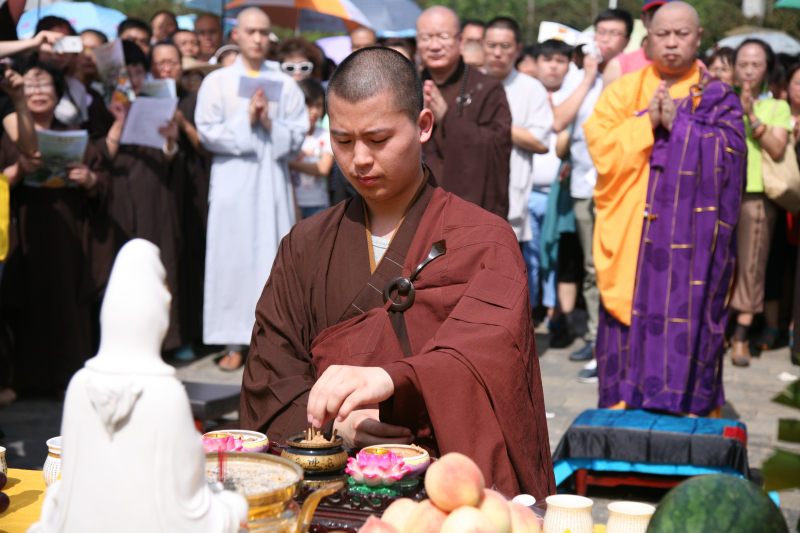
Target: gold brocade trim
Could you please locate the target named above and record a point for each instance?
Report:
(637, 313)
(679, 320)
(731, 150)
(701, 209)
(725, 224)
(698, 282)
(681, 246)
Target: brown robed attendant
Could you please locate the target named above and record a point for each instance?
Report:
(470, 148)
(451, 363)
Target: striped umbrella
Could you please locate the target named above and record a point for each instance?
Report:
(323, 15)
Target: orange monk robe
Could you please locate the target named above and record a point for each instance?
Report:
(620, 142)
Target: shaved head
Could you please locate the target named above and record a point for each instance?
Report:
(674, 38)
(247, 14)
(678, 9)
(443, 17)
(371, 71)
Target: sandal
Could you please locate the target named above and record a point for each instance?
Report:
(767, 339)
(230, 361)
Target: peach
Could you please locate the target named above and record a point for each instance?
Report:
(495, 506)
(453, 481)
(523, 520)
(426, 518)
(373, 525)
(399, 512)
(468, 520)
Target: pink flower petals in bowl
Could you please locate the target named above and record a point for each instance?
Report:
(377, 469)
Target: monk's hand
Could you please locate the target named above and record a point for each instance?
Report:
(668, 111)
(257, 104)
(654, 109)
(434, 101)
(363, 428)
(341, 389)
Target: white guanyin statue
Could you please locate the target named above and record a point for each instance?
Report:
(132, 459)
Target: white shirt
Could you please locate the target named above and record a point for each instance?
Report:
(530, 110)
(546, 166)
(312, 191)
(584, 175)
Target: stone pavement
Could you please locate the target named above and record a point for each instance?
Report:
(29, 423)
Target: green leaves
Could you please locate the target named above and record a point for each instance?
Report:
(790, 396)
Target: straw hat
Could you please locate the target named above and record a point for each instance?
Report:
(190, 64)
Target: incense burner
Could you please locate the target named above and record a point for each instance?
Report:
(316, 457)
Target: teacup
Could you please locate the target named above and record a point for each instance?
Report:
(565, 511)
(629, 517)
(3, 465)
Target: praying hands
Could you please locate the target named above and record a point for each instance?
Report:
(662, 109)
(259, 110)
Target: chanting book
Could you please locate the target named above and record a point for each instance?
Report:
(114, 73)
(58, 148)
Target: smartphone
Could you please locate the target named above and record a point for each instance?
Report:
(71, 44)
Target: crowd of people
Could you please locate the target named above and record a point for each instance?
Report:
(557, 139)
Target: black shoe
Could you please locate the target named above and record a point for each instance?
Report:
(561, 336)
(584, 354)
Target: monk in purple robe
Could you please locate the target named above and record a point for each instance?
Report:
(669, 147)
(402, 314)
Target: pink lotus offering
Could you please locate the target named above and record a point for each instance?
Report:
(236, 440)
(377, 469)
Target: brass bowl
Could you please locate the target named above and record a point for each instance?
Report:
(316, 458)
(267, 504)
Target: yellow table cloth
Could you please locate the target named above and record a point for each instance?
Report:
(26, 489)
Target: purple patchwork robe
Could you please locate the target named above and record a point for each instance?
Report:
(670, 358)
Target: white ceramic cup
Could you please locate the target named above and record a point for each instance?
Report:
(3, 465)
(52, 466)
(565, 511)
(629, 517)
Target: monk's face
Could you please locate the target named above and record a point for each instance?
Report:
(673, 41)
(252, 34)
(377, 147)
(438, 40)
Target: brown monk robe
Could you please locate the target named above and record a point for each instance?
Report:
(472, 151)
(469, 378)
(47, 287)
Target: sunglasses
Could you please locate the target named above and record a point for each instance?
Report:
(303, 68)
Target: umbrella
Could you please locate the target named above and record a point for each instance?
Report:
(788, 3)
(322, 15)
(780, 42)
(391, 18)
(82, 16)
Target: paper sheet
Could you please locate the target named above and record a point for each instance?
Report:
(145, 116)
(159, 88)
(272, 88)
(113, 72)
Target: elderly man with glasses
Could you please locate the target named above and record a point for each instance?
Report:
(470, 149)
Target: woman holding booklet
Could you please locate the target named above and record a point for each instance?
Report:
(143, 183)
(47, 288)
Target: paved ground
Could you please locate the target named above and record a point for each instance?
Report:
(29, 423)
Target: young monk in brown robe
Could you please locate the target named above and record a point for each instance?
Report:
(450, 363)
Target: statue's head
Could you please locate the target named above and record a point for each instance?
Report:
(135, 313)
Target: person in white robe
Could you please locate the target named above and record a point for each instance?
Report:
(251, 203)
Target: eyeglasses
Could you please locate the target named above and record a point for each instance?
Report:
(443, 37)
(606, 33)
(43, 88)
(166, 63)
(303, 68)
(504, 46)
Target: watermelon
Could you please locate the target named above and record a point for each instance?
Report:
(715, 504)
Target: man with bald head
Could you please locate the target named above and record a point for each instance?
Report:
(669, 147)
(251, 203)
(362, 37)
(400, 315)
(470, 148)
